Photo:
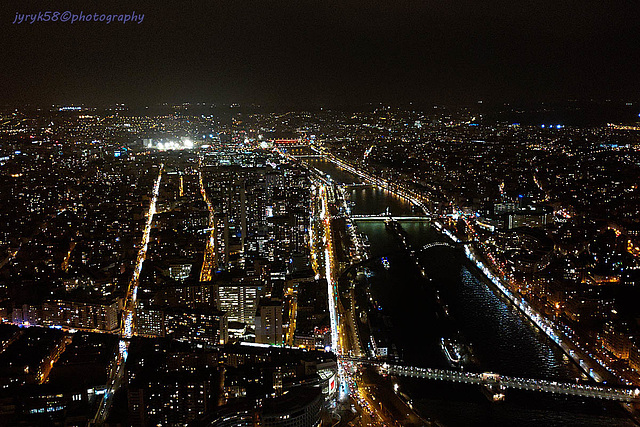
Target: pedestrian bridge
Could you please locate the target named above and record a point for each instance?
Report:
(494, 380)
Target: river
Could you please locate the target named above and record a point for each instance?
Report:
(502, 340)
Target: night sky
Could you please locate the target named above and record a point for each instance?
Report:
(323, 52)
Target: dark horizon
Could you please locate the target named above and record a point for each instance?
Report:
(323, 53)
(565, 112)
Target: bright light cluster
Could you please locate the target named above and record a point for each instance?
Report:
(181, 144)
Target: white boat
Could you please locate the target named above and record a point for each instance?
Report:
(452, 350)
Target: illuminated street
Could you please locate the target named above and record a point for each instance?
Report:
(128, 323)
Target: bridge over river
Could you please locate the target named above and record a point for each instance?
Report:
(384, 216)
(496, 381)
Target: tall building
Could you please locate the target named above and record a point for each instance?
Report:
(195, 326)
(150, 322)
(239, 300)
(75, 314)
(269, 322)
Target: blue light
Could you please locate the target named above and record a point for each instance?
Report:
(542, 126)
(559, 127)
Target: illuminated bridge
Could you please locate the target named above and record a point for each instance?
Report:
(504, 382)
(309, 156)
(447, 244)
(383, 216)
(360, 184)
